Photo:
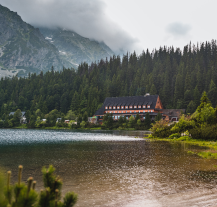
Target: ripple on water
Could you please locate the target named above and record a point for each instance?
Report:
(107, 169)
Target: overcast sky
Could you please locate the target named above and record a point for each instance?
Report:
(126, 24)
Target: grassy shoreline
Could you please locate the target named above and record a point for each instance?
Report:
(210, 153)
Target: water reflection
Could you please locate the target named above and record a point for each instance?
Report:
(111, 169)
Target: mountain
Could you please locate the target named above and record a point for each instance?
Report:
(75, 48)
(23, 48)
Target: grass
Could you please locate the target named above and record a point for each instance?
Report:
(23, 126)
(210, 145)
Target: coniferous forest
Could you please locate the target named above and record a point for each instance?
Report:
(178, 76)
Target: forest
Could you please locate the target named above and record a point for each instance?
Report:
(178, 76)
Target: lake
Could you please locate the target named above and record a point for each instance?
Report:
(112, 168)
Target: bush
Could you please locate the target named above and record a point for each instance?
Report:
(22, 195)
(206, 132)
(161, 129)
(173, 136)
(185, 123)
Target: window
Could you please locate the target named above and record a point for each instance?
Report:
(131, 107)
(126, 107)
(143, 111)
(118, 107)
(110, 112)
(139, 111)
(127, 117)
(115, 117)
(139, 107)
(144, 106)
(122, 112)
(122, 107)
(149, 106)
(110, 107)
(113, 107)
(134, 107)
(151, 110)
(148, 111)
(130, 111)
(106, 107)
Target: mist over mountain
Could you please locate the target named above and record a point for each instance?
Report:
(75, 48)
(86, 18)
(24, 49)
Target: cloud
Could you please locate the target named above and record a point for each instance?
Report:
(85, 17)
(178, 30)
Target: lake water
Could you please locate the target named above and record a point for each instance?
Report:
(111, 168)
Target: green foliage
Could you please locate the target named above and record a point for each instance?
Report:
(85, 117)
(207, 155)
(178, 77)
(22, 195)
(70, 115)
(79, 119)
(173, 136)
(204, 132)
(108, 121)
(147, 121)
(83, 123)
(16, 118)
(185, 123)
(161, 129)
(131, 122)
(158, 117)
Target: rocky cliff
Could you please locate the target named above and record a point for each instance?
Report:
(75, 48)
(23, 48)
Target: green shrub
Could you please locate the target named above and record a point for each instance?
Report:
(185, 123)
(173, 136)
(184, 138)
(22, 195)
(206, 132)
(208, 155)
(161, 129)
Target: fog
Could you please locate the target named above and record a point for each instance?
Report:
(84, 17)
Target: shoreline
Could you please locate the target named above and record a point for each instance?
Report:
(210, 151)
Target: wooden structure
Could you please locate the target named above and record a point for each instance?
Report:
(130, 105)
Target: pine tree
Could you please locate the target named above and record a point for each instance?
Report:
(196, 97)
(212, 93)
(153, 90)
(147, 121)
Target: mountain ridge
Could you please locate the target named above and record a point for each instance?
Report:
(26, 49)
(75, 48)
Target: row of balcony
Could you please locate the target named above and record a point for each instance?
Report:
(127, 107)
(126, 112)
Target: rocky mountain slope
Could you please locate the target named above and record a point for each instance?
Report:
(23, 48)
(75, 48)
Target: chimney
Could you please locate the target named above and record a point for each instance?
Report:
(147, 94)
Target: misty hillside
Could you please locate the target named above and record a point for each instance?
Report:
(23, 48)
(75, 48)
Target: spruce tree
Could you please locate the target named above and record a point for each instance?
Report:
(147, 121)
(212, 93)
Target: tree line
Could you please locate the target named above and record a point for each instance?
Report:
(178, 76)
